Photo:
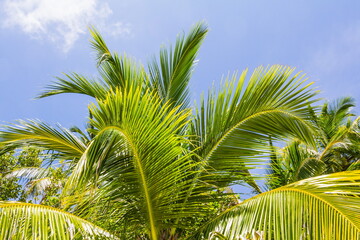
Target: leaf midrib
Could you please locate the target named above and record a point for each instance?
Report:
(214, 148)
(143, 179)
(46, 138)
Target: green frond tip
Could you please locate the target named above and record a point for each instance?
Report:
(99, 45)
(171, 73)
(325, 207)
(21, 221)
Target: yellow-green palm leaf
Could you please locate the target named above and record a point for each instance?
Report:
(324, 207)
(23, 221)
(37, 133)
(234, 124)
(138, 159)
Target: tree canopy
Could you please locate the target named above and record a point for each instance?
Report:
(153, 166)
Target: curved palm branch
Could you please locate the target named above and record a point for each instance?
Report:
(31, 221)
(29, 173)
(40, 134)
(37, 187)
(171, 75)
(116, 71)
(76, 83)
(138, 158)
(235, 123)
(324, 207)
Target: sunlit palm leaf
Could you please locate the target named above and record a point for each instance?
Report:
(116, 71)
(22, 221)
(29, 173)
(76, 83)
(138, 158)
(234, 123)
(324, 207)
(41, 134)
(171, 75)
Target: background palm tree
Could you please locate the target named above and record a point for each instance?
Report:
(337, 137)
(152, 166)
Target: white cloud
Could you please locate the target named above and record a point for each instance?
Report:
(60, 21)
(118, 29)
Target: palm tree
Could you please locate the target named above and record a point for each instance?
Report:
(155, 168)
(337, 138)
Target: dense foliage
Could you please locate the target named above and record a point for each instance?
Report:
(10, 188)
(337, 146)
(153, 166)
(30, 175)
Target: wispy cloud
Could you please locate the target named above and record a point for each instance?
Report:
(60, 21)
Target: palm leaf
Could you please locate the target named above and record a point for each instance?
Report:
(116, 71)
(19, 221)
(29, 173)
(293, 163)
(333, 116)
(234, 123)
(324, 207)
(40, 134)
(138, 160)
(76, 83)
(171, 75)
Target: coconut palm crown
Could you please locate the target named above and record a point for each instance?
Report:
(153, 166)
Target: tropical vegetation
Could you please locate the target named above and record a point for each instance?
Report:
(151, 165)
(336, 135)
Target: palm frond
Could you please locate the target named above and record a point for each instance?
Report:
(37, 133)
(29, 173)
(324, 207)
(333, 115)
(294, 162)
(354, 166)
(20, 221)
(37, 187)
(138, 158)
(116, 71)
(76, 83)
(122, 72)
(85, 138)
(234, 124)
(171, 75)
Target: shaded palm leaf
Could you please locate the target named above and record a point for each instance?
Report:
(293, 163)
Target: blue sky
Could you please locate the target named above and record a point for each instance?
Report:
(40, 39)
